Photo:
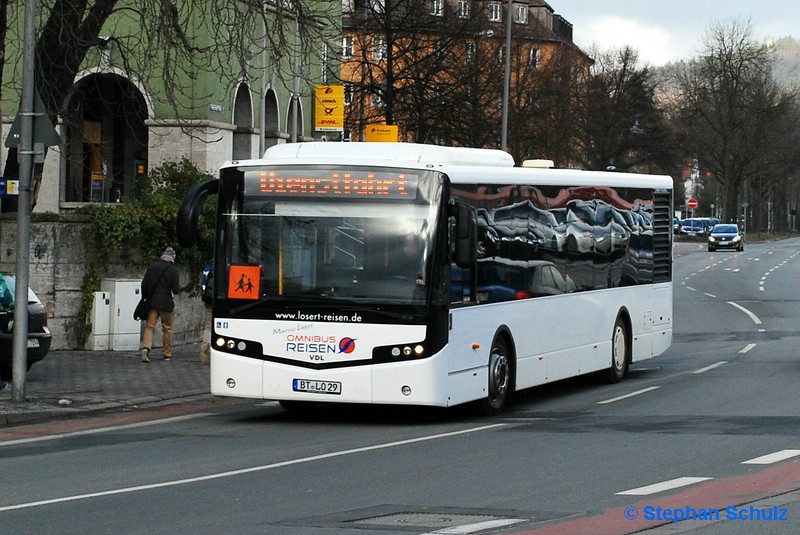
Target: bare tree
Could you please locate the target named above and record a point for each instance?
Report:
(734, 118)
(618, 121)
(412, 66)
(164, 44)
(541, 114)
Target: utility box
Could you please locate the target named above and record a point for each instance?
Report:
(101, 316)
(124, 331)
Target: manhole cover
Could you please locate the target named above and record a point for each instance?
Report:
(425, 520)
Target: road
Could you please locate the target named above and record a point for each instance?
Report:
(711, 425)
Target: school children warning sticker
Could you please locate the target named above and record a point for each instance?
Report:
(243, 282)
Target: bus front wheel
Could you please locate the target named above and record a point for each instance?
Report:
(620, 352)
(500, 376)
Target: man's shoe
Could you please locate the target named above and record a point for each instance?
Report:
(167, 358)
(145, 355)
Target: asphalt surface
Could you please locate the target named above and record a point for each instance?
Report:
(74, 383)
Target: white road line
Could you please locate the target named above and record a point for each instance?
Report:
(774, 457)
(104, 429)
(709, 295)
(477, 526)
(750, 314)
(626, 396)
(242, 471)
(747, 348)
(707, 368)
(664, 485)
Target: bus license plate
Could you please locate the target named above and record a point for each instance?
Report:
(317, 387)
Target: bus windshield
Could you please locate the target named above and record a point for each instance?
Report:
(296, 244)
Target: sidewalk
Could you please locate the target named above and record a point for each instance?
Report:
(68, 383)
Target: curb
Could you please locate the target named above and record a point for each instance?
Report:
(28, 412)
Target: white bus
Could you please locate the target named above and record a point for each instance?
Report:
(394, 273)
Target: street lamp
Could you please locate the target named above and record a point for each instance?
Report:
(506, 78)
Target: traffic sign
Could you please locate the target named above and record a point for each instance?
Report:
(43, 131)
(691, 204)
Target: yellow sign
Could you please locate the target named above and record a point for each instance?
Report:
(329, 108)
(381, 132)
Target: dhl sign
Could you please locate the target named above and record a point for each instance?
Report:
(329, 108)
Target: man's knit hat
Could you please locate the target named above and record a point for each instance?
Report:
(169, 254)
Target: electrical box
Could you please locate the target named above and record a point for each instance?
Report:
(124, 331)
(101, 315)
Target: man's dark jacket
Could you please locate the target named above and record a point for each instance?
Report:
(160, 289)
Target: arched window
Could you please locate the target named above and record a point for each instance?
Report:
(243, 121)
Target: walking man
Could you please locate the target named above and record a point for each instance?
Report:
(161, 281)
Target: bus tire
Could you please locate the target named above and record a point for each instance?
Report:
(620, 352)
(500, 378)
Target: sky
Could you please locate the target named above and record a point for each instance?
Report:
(665, 31)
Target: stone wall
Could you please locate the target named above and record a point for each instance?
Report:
(58, 261)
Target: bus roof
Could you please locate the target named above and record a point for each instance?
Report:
(406, 152)
(463, 165)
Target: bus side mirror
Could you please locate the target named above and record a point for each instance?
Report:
(465, 252)
(188, 213)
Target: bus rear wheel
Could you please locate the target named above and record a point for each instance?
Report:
(500, 374)
(620, 352)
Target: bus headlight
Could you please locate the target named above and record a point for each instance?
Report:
(388, 353)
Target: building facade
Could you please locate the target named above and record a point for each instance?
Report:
(452, 57)
(130, 109)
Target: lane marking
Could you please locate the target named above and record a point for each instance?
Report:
(747, 348)
(104, 429)
(664, 485)
(774, 457)
(250, 470)
(707, 368)
(626, 396)
(709, 295)
(750, 314)
(477, 526)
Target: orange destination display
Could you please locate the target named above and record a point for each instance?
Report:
(367, 184)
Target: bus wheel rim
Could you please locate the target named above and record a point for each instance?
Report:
(498, 379)
(619, 349)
